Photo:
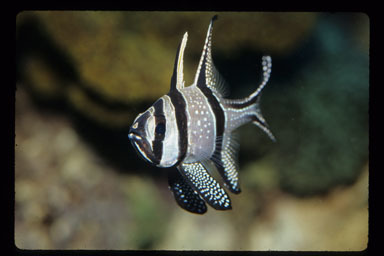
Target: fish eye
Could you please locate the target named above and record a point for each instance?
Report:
(160, 128)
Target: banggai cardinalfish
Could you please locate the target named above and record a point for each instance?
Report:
(190, 128)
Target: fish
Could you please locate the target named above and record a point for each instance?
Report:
(191, 128)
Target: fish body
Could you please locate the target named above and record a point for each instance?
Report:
(191, 127)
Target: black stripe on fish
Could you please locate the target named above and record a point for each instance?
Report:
(210, 81)
(160, 126)
(179, 104)
(217, 111)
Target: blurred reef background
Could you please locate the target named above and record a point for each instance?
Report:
(83, 76)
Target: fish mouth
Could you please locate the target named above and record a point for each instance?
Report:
(140, 144)
(142, 147)
(134, 137)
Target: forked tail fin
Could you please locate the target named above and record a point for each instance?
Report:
(255, 96)
(250, 106)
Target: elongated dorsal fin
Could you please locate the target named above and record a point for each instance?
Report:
(177, 80)
(207, 75)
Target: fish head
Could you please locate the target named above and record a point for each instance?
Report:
(154, 134)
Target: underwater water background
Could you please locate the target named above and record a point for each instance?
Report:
(83, 76)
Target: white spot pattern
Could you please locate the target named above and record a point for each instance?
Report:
(200, 125)
(207, 186)
(185, 196)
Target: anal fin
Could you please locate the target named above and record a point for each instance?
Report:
(226, 164)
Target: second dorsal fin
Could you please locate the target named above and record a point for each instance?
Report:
(207, 75)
